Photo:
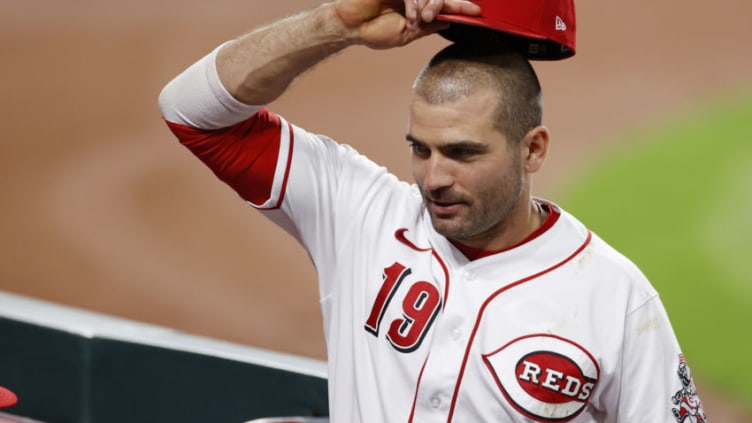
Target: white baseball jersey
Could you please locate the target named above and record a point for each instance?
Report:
(560, 328)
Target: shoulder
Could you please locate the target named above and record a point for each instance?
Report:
(610, 267)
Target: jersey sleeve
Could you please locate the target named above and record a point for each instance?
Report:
(318, 190)
(240, 143)
(656, 384)
(252, 157)
(302, 181)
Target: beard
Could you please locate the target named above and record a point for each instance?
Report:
(483, 215)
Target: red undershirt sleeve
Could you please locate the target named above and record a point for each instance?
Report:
(244, 155)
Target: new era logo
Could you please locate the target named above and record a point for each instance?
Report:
(560, 25)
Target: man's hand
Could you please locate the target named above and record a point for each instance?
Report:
(259, 66)
(384, 24)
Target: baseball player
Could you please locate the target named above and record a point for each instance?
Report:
(461, 297)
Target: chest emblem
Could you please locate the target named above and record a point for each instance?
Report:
(544, 377)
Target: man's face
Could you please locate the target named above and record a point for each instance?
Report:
(471, 180)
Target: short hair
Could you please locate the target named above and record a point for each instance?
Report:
(461, 69)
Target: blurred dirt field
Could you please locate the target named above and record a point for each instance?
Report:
(104, 210)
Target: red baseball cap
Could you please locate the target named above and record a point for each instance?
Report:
(540, 29)
(7, 398)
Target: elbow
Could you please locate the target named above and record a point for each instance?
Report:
(167, 103)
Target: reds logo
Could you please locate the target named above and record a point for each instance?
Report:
(545, 377)
(689, 408)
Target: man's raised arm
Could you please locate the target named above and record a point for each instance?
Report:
(257, 67)
(226, 86)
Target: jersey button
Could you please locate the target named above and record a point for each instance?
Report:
(456, 334)
(435, 402)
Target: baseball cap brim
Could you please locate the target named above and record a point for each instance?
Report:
(530, 45)
(7, 398)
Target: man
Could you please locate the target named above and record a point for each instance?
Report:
(461, 298)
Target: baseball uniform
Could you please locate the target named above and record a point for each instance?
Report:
(559, 328)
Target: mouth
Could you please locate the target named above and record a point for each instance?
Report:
(443, 208)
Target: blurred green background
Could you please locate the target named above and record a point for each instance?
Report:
(676, 198)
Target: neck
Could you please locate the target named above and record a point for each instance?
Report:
(542, 211)
(519, 225)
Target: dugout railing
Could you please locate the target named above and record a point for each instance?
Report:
(68, 365)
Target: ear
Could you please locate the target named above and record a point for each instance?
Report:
(535, 148)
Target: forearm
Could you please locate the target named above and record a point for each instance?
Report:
(258, 67)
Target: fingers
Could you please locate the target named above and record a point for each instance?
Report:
(418, 11)
(460, 7)
(430, 9)
(413, 12)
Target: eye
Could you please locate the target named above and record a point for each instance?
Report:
(462, 152)
(420, 149)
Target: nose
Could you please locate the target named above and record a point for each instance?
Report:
(438, 174)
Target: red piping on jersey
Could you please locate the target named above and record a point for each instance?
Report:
(288, 165)
(415, 397)
(488, 301)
